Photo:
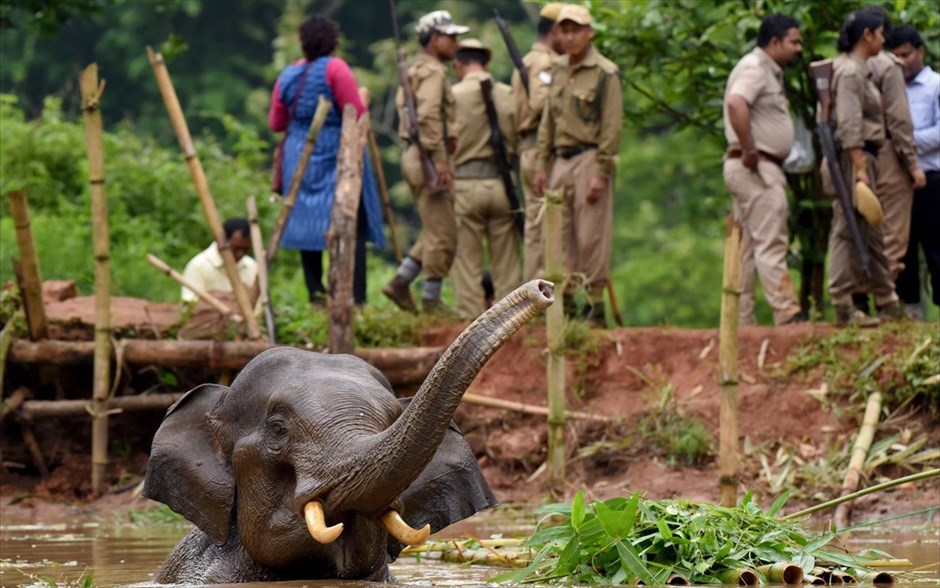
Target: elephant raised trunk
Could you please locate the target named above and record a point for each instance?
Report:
(394, 458)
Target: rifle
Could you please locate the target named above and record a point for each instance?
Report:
(513, 50)
(821, 72)
(411, 111)
(498, 143)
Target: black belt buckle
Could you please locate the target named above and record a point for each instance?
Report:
(871, 147)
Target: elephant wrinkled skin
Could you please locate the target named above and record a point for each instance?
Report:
(301, 433)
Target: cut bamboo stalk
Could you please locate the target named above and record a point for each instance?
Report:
(783, 572)
(813, 580)
(865, 492)
(829, 577)
(257, 247)
(319, 117)
(555, 326)
(728, 366)
(383, 191)
(35, 409)
(91, 96)
(202, 189)
(677, 580)
(859, 452)
(198, 291)
(739, 577)
(529, 408)
(29, 263)
(341, 237)
(876, 578)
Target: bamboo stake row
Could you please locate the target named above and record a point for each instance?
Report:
(555, 325)
(728, 366)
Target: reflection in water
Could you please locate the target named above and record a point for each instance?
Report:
(33, 555)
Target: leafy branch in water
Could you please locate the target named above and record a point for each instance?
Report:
(625, 540)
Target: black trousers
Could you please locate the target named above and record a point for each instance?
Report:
(312, 262)
(925, 233)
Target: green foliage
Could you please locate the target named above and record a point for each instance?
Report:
(625, 540)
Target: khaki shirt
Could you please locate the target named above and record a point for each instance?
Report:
(529, 105)
(474, 139)
(577, 114)
(207, 271)
(758, 79)
(856, 104)
(888, 77)
(434, 101)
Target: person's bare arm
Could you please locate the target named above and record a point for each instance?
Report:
(739, 113)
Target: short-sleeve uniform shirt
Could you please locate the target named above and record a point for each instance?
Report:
(758, 79)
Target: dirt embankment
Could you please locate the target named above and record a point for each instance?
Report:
(623, 373)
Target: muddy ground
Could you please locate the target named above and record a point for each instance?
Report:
(622, 374)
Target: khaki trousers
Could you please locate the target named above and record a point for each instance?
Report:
(896, 193)
(760, 205)
(587, 229)
(845, 274)
(483, 214)
(534, 248)
(437, 241)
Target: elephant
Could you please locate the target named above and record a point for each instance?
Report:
(308, 467)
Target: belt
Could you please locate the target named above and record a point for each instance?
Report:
(476, 169)
(737, 153)
(569, 152)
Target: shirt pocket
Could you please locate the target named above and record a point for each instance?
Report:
(922, 114)
(585, 99)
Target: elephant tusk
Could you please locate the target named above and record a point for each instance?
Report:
(399, 529)
(316, 523)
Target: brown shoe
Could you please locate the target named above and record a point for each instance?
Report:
(399, 292)
(891, 313)
(434, 307)
(849, 316)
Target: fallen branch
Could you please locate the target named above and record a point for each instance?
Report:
(529, 408)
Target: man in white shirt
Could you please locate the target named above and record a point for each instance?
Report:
(207, 271)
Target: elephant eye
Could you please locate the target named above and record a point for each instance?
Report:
(278, 428)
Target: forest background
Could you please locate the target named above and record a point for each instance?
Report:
(224, 56)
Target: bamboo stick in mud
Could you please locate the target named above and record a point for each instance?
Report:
(728, 366)
(859, 452)
(202, 188)
(555, 325)
(341, 237)
(257, 247)
(91, 97)
(319, 117)
(186, 283)
(383, 192)
(29, 263)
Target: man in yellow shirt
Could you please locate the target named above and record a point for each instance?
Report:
(206, 270)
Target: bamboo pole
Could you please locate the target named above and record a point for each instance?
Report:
(34, 409)
(319, 117)
(529, 408)
(383, 191)
(555, 325)
(91, 96)
(257, 247)
(182, 280)
(859, 452)
(728, 366)
(783, 572)
(341, 237)
(202, 188)
(29, 260)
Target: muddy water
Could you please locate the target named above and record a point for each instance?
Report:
(116, 555)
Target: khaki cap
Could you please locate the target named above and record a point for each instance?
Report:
(551, 10)
(440, 21)
(867, 204)
(575, 13)
(474, 45)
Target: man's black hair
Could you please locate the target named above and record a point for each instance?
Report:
(544, 26)
(478, 56)
(318, 36)
(854, 27)
(425, 38)
(904, 34)
(775, 26)
(236, 225)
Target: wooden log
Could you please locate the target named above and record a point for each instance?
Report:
(383, 191)
(529, 408)
(35, 409)
(29, 263)
(319, 117)
(91, 96)
(555, 325)
(728, 367)
(199, 292)
(866, 435)
(257, 247)
(402, 366)
(341, 237)
(202, 189)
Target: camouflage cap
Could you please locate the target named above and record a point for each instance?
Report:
(575, 13)
(440, 21)
(551, 10)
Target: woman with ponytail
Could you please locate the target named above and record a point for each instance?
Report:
(859, 128)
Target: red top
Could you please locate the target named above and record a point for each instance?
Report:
(341, 81)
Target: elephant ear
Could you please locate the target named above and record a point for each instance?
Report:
(188, 470)
(450, 489)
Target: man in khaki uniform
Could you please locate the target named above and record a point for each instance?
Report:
(579, 138)
(529, 106)
(480, 202)
(759, 131)
(434, 250)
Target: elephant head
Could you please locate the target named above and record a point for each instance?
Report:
(308, 466)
